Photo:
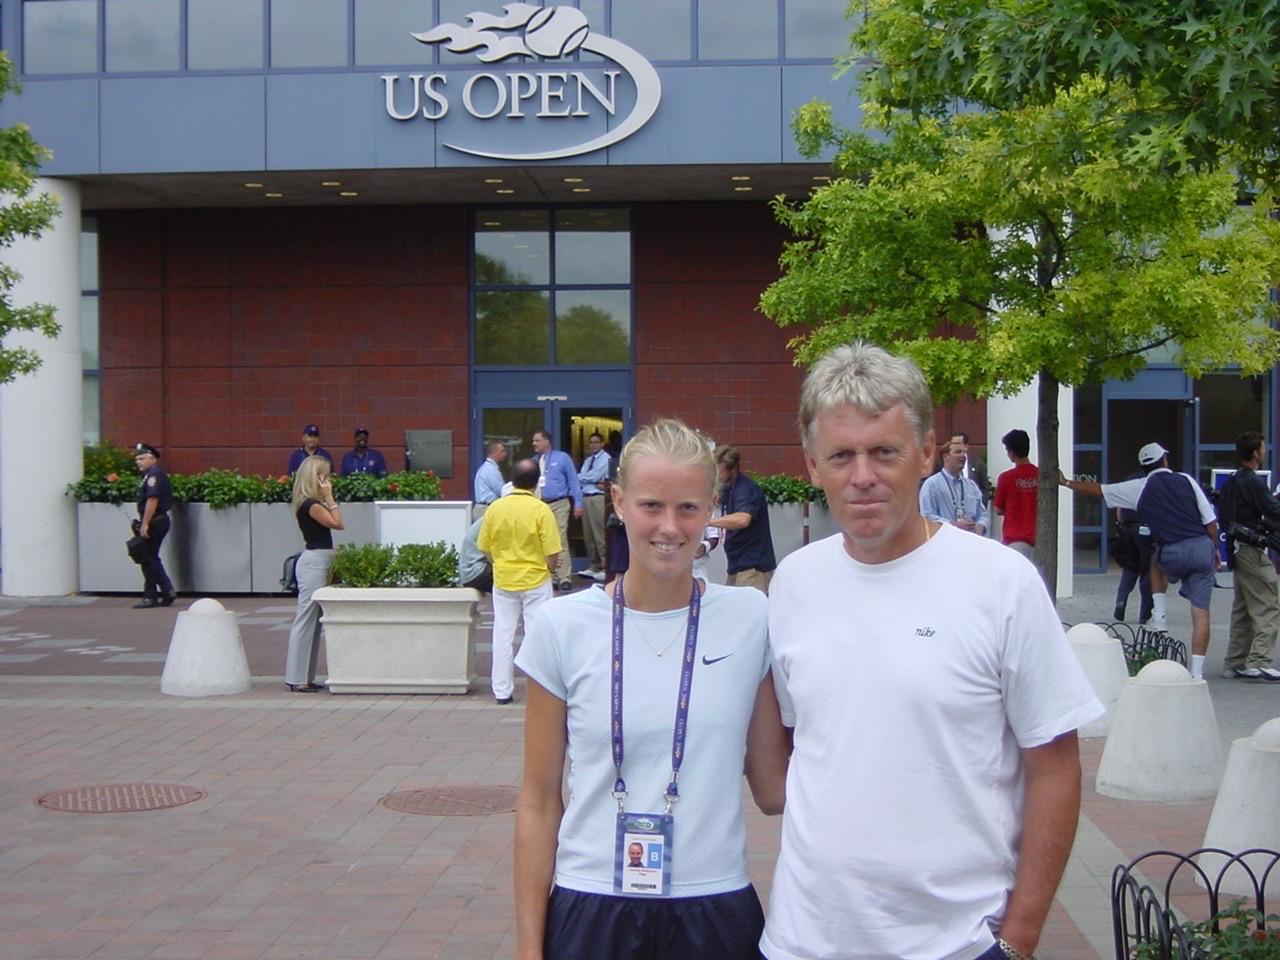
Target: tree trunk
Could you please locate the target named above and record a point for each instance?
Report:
(1046, 551)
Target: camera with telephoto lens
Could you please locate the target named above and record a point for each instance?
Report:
(1254, 536)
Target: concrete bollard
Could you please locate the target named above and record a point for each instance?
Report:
(1164, 743)
(1101, 656)
(1245, 815)
(206, 655)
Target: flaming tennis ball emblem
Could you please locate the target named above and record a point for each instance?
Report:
(556, 31)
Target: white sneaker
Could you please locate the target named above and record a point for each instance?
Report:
(1247, 673)
(1158, 621)
(1269, 673)
(599, 575)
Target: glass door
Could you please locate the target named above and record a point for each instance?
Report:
(570, 426)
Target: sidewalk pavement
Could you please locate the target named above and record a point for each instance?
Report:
(290, 853)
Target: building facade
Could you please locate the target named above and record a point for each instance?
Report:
(443, 218)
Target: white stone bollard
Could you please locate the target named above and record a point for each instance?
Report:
(1246, 815)
(1164, 743)
(206, 655)
(1101, 656)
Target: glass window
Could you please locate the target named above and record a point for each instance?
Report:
(308, 33)
(593, 246)
(60, 37)
(88, 253)
(89, 331)
(455, 11)
(384, 28)
(1087, 403)
(513, 327)
(743, 30)
(657, 29)
(224, 34)
(513, 248)
(593, 326)
(1231, 404)
(91, 417)
(142, 35)
(816, 29)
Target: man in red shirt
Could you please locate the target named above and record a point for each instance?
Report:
(1016, 492)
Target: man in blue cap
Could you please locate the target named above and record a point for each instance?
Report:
(155, 499)
(310, 448)
(362, 458)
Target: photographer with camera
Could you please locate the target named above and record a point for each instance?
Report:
(1250, 517)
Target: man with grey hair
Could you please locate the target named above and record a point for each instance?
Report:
(934, 780)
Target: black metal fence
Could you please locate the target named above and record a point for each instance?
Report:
(1145, 921)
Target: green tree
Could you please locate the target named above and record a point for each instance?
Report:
(1208, 70)
(997, 245)
(23, 215)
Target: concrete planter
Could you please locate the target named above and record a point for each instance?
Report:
(399, 640)
(211, 549)
(104, 566)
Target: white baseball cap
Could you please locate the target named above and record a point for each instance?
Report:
(1151, 454)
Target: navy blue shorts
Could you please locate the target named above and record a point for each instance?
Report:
(598, 926)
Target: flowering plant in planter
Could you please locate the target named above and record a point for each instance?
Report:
(1236, 933)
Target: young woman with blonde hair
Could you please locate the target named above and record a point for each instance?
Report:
(657, 688)
(318, 515)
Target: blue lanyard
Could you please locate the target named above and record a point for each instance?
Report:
(682, 701)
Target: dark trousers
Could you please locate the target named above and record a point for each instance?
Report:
(596, 926)
(155, 582)
(1141, 577)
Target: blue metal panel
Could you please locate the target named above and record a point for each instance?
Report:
(63, 116)
(802, 84)
(711, 115)
(1151, 383)
(577, 386)
(182, 124)
(322, 121)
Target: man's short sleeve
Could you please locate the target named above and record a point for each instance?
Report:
(1002, 489)
(1124, 494)
(484, 540)
(539, 655)
(1045, 691)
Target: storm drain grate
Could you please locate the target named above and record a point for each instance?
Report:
(453, 801)
(119, 798)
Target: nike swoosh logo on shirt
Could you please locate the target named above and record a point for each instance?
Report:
(707, 661)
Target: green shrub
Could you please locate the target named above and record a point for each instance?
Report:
(409, 485)
(425, 565)
(409, 565)
(221, 489)
(356, 487)
(784, 488)
(363, 565)
(109, 476)
(1236, 933)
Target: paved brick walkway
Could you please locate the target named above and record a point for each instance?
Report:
(291, 855)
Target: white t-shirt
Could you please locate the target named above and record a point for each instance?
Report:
(567, 651)
(912, 685)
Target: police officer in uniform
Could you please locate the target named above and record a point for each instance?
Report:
(155, 498)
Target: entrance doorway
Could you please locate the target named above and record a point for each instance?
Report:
(569, 423)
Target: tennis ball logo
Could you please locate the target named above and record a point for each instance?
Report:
(556, 31)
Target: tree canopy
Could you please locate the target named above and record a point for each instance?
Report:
(998, 242)
(23, 215)
(1208, 70)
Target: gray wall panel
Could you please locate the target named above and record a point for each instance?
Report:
(63, 116)
(182, 124)
(711, 115)
(323, 121)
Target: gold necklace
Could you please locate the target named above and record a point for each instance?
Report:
(635, 622)
(927, 532)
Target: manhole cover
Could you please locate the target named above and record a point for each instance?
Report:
(456, 801)
(119, 798)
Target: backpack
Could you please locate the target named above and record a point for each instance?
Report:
(289, 574)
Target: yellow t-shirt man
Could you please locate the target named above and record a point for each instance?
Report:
(519, 533)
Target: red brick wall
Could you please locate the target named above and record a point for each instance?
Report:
(224, 332)
(704, 353)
